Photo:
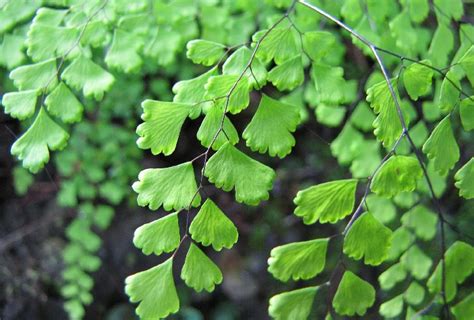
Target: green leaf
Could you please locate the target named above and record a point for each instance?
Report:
(459, 265)
(298, 260)
(449, 96)
(464, 309)
(173, 187)
(162, 125)
(279, 44)
(317, 44)
(199, 272)
(11, 51)
(362, 117)
(123, 53)
(103, 216)
(392, 308)
(366, 161)
(271, 127)
(418, 9)
(212, 227)
(223, 88)
(397, 174)
(442, 44)
(330, 116)
(238, 61)
(22, 180)
(393, 275)
(442, 148)
(63, 104)
(84, 74)
(417, 79)
(288, 75)
(211, 124)
(467, 64)
(152, 286)
(466, 112)
(353, 295)
(368, 238)
(22, 104)
(230, 168)
(381, 208)
(346, 147)
(415, 294)
(402, 239)
(465, 180)
(59, 40)
(34, 145)
(204, 52)
(294, 304)
(35, 76)
(415, 261)
(387, 124)
(161, 235)
(326, 202)
(450, 8)
(329, 83)
(422, 220)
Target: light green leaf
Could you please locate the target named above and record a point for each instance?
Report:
(422, 220)
(450, 8)
(347, 146)
(204, 52)
(449, 95)
(459, 265)
(239, 60)
(173, 187)
(466, 112)
(22, 104)
(402, 239)
(329, 83)
(381, 208)
(63, 104)
(271, 127)
(288, 75)
(326, 202)
(415, 294)
(393, 275)
(362, 117)
(11, 51)
(223, 88)
(442, 148)
(418, 9)
(415, 261)
(279, 44)
(161, 235)
(34, 145)
(59, 40)
(22, 180)
(353, 295)
(199, 272)
(298, 260)
(162, 125)
(294, 304)
(212, 227)
(467, 64)
(84, 74)
(417, 79)
(392, 308)
(397, 174)
(155, 290)
(366, 161)
(123, 53)
(330, 116)
(465, 180)
(317, 44)
(464, 309)
(35, 76)
(442, 44)
(368, 238)
(230, 168)
(211, 124)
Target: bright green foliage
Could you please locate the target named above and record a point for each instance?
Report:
(22, 179)
(362, 117)
(210, 125)
(381, 208)
(153, 285)
(466, 111)
(11, 51)
(359, 241)
(392, 308)
(401, 241)
(223, 88)
(173, 187)
(449, 96)
(298, 260)
(318, 44)
(459, 265)
(237, 63)
(326, 202)
(271, 127)
(40, 75)
(161, 235)
(123, 53)
(279, 45)
(464, 309)
(34, 145)
(199, 272)
(415, 261)
(353, 296)
(465, 180)
(330, 116)
(467, 64)
(63, 104)
(59, 40)
(441, 45)
(417, 79)
(393, 275)
(21, 105)
(230, 168)
(346, 147)
(442, 148)
(422, 220)
(84, 74)
(397, 174)
(204, 52)
(451, 8)
(329, 83)
(288, 75)
(294, 304)
(212, 227)
(162, 125)
(414, 294)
